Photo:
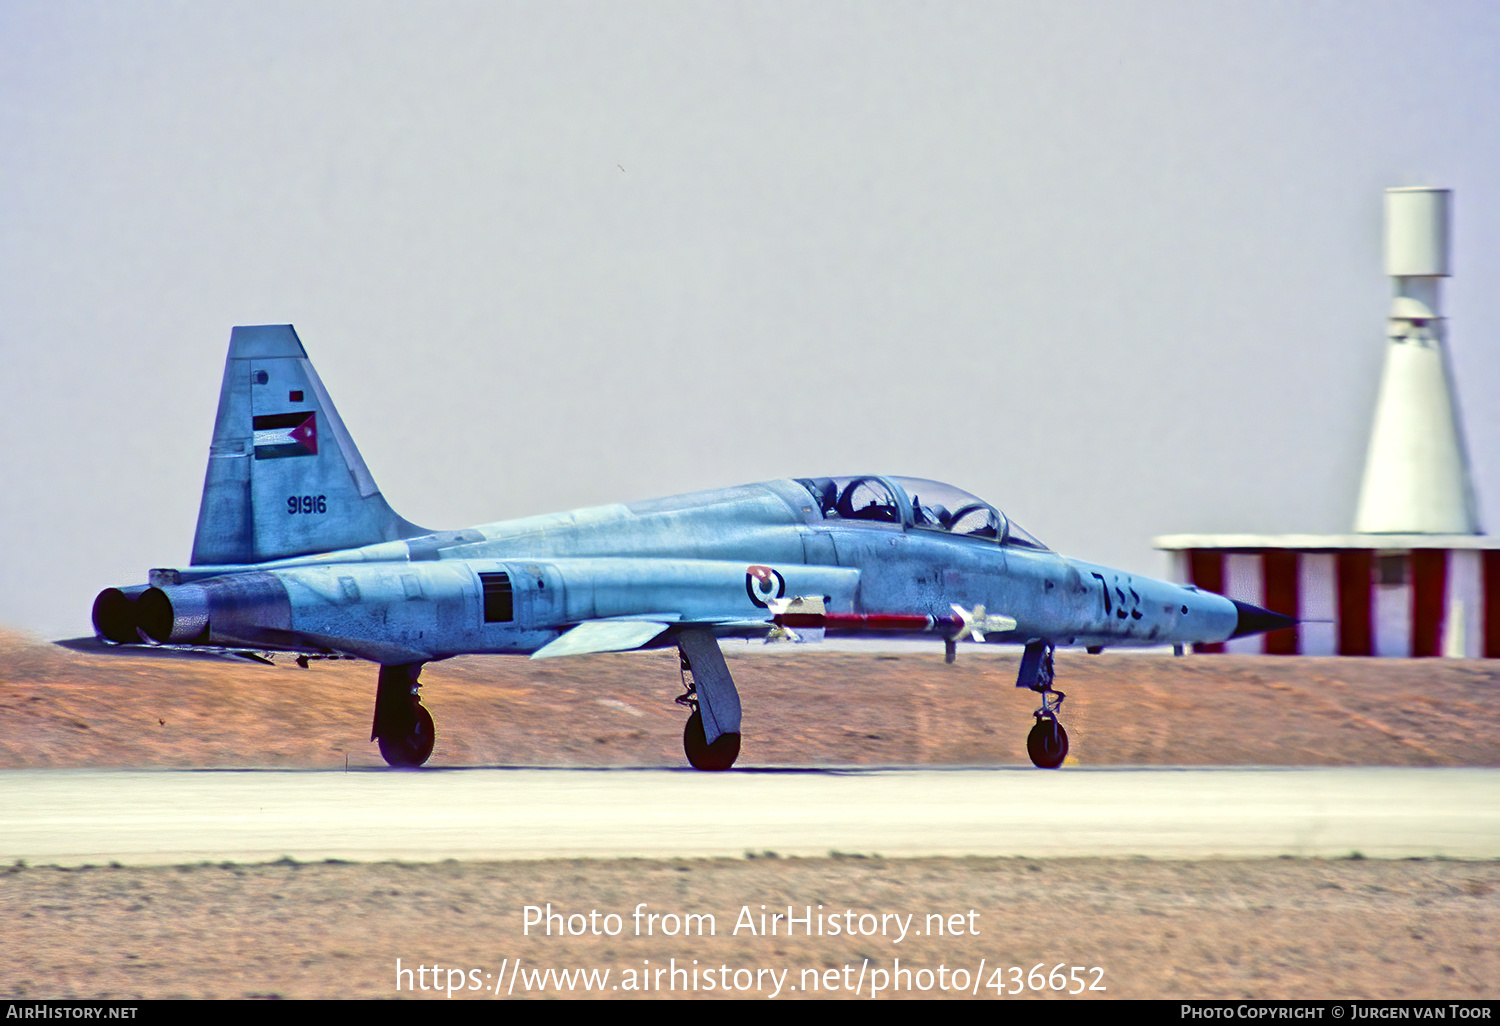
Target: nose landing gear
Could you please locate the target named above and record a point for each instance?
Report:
(1047, 744)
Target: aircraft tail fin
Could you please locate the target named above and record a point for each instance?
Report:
(284, 477)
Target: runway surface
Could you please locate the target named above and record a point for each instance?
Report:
(80, 817)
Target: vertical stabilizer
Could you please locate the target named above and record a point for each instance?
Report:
(1417, 470)
(284, 477)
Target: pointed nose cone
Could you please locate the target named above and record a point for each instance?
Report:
(1255, 620)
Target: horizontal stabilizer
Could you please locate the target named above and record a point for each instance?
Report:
(98, 646)
(602, 636)
(257, 646)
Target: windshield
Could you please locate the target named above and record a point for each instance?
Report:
(934, 507)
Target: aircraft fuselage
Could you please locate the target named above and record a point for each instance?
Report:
(684, 557)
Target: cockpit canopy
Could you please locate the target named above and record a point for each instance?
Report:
(913, 502)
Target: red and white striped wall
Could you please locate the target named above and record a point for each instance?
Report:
(1380, 595)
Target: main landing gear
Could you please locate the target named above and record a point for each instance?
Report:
(1047, 744)
(403, 726)
(710, 695)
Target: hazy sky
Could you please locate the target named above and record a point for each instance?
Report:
(1113, 266)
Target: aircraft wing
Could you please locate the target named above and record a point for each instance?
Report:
(604, 636)
(624, 634)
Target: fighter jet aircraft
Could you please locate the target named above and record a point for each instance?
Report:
(298, 552)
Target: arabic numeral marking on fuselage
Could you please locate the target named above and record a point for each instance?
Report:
(306, 504)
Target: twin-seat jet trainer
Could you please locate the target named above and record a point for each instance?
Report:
(298, 552)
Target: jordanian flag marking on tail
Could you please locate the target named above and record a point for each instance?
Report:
(279, 435)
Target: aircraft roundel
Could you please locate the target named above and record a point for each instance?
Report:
(763, 584)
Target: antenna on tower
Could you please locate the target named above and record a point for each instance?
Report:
(1417, 468)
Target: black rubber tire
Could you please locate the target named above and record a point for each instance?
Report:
(1047, 744)
(711, 758)
(415, 747)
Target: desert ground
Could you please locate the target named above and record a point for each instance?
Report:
(1151, 928)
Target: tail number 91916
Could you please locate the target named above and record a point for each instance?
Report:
(306, 504)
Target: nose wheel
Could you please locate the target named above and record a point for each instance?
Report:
(1047, 744)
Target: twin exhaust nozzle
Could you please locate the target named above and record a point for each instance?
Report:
(176, 615)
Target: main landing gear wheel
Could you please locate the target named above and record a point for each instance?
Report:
(414, 747)
(1047, 744)
(704, 756)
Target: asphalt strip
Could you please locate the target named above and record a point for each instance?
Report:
(94, 817)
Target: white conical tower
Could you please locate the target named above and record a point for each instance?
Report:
(1417, 470)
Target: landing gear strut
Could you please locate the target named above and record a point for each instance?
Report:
(403, 726)
(1047, 744)
(717, 697)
